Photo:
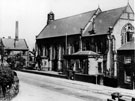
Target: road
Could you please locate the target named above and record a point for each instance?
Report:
(43, 88)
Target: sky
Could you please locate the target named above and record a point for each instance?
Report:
(32, 14)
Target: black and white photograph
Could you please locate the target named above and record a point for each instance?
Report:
(67, 50)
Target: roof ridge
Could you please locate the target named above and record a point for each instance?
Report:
(115, 9)
(14, 38)
(75, 15)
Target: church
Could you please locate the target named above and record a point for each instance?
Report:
(93, 32)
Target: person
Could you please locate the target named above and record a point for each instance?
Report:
(16, 79)
(38, 60)
(3, 87)
(16, 82)
(71, 72)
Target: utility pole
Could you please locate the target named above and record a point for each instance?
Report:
(66, 44)
(80, 39)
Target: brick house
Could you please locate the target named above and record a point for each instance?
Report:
(126, 65)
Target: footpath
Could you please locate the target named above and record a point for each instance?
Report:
(95, 88)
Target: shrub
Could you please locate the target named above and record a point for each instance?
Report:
(16, 62)
(6, 76)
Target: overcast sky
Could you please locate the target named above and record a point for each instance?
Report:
(32, 14)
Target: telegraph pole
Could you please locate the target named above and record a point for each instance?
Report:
(80, 38)
(66, 44)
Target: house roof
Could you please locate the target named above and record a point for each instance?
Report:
(69, 25)
(11, 44)
(104, 20)
(81, 55)
(128, 46)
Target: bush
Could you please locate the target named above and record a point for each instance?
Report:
(10, 81)
(6, 76)
(16, 62)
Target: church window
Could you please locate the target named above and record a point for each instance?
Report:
(46, 51)
(41, 51)
(99, 67)
(127, 33)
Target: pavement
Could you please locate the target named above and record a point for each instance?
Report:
(100, 89)
(45, 72)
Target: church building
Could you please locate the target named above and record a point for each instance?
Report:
(102, 32)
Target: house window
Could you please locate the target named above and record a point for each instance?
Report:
(127, 77)
(127, 59)
(24, 52)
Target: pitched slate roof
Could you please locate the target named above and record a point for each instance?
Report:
(106, 19)
(11, 44)
(72, 25)
(81, 54)
(69, 25)
(88, 53)
(128, 46)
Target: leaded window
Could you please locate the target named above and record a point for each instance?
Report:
(127, 33)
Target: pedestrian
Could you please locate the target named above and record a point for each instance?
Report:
(16, 83)
(3, 87)
(38, 60)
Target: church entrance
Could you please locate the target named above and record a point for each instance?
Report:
(55, 65)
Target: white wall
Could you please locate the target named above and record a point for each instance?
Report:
(120, 23)
(117, 31)
(92, 66)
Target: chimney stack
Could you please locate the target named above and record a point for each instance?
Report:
(16, 31)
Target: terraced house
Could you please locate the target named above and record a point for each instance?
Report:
(101, 32)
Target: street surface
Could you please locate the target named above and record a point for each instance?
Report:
(43, 88)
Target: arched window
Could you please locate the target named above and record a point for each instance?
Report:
(127, 33)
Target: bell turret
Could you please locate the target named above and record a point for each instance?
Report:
(50, 17)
